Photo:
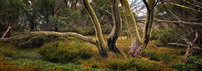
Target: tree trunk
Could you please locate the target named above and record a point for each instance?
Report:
(149, 22)
(138, 44)
(132, 27)
(32, 26)
(113, 36)
(187, 54)
(101, 44)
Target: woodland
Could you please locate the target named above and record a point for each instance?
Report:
(100, 35)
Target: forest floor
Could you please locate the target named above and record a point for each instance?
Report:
(154, 58)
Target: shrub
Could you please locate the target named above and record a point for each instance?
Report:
(36, 42)
(107, 30)
(15, 54)
(83, 31)
(64, 52)
(62, 68)
(94, 66)
(133, 64)
(164, 57)
(6, 66)
(189, 67)
(147, 53)
(163, 37)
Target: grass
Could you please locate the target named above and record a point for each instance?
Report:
(154, 58)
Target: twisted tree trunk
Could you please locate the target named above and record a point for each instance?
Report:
(132, 27)
(138, 43)
(113, 36)
(149, 21)
(101, 44)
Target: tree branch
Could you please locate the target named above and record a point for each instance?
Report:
(178, 44)
(6, 32)
(180, 22)
(196, 37)
(146, 4)
(71, 34)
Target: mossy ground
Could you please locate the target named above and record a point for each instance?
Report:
(154, 58)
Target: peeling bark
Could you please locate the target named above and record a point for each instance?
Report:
(138, 44)
(132, 27)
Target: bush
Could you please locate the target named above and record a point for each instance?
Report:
(94, 66)
(64, 52)
(191, 63)
(107, 30)
(133, 64)
(182, 67)
(83, 31)
(163, 37)
(164, 57)
(36, 65)
(15, 54)
(36, 42)
(6, 66)
(62, 68)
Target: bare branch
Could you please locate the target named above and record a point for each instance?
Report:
(196, 37)
(6, 32)
(182, 6)
(71, 34)
(180, 22)
(178, 44)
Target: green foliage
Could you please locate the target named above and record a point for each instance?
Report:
(22, 62)
(182, 67)
(191, 66)
(107, 30)
(35, 42)
(94, 66)
(83, 31)
(57, 22)
(45, 64)
(63, 52)
(62, 68)
(163, 37)
(7, 66)
(164, 57)
(132, 64)
(15, 54)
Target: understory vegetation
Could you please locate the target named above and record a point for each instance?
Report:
(100, 35)
(73, 54)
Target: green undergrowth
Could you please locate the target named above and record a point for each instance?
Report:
(71, 54)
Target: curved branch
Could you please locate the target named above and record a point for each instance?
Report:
(146, 4)
(71, 34)
(180, 22)
(113, 36)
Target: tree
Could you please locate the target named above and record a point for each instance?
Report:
(101, 43)
(138, 43)
(113, 36)
(187, 30)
